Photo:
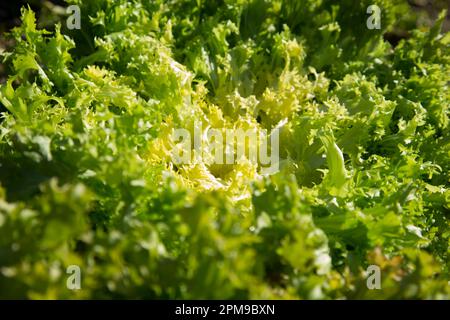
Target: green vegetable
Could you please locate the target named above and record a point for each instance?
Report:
(87, 176)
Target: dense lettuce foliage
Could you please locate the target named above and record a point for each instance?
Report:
(87, 177)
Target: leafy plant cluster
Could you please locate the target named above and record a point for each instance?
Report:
(87, 177)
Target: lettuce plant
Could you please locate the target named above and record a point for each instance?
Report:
(87, 176)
